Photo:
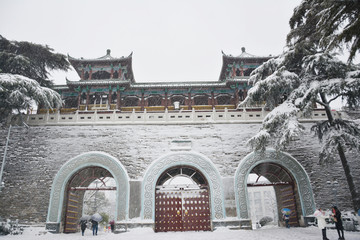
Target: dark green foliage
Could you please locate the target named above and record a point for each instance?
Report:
(327, 24)
(30, 60)
(309, 74)
(24, 71)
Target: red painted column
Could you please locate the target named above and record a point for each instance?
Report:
(236, 92)
(142, 103)
(118, 102)
(166, 99)
(87, 99)
(212, 99)
(79, 100)
(109, 98)
(189, 101)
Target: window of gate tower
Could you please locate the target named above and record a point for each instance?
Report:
(182, 201)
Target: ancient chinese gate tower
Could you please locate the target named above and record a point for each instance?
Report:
(147, 135)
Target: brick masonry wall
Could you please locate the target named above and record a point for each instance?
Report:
(36, 154)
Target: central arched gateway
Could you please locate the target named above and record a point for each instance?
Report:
(182, 201)
(187, 161)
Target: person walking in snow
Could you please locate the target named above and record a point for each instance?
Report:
(286, 218)
(83, 225)
(320, 216)
(95, 226)
(112, 225)
(338, 222)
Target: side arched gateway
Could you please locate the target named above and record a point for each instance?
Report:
(179, 159)
(95, 160)
(270, 159)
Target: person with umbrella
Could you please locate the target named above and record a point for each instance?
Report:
(95, 219)
(83, 223)
(320, 216)
(95, 226)
(286, 216)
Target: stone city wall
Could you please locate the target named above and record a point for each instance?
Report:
(36, 154)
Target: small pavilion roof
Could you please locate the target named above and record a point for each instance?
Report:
(80, 63)
(244, 58)
(105, 58)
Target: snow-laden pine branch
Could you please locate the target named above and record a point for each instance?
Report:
(18, 93)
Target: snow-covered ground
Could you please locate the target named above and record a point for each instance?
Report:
(272, 233)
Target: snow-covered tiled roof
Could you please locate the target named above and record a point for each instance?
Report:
(107, 57)
(244, 54)
(97, 82)
(178, 84)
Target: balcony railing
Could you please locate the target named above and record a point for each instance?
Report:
(115, 117)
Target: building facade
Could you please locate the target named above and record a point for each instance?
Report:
(108, 83)
(111, 126)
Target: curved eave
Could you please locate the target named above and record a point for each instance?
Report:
(229, 57)
(241, 79)
(178, 85)
(100, 60)
(60, 87)
(97, 82)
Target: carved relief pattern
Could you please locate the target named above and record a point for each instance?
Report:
(204, 165)
(89, 159)
(303, 183)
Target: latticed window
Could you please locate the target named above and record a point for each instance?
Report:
(154, 101)
(83, 98)
(131, 101)
(70, 102)
(201, 100)
(101, 75)
(223, 100)
(180, 99)
(114, 98)
(86, 75)
(241, 95)
(116, 74)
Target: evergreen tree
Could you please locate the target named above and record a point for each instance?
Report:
(330, 24)
(24, 72)
(306, 74)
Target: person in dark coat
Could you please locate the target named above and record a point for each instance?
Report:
(112, 225)
(338, 222)
(83, 224)
(95, 226)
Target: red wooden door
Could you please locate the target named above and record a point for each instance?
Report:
(288, 201)
(182, 210)
(71, 218)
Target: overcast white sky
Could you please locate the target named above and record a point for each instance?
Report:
(171, 40)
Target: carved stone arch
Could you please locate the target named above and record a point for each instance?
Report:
(283, 159)
(90, 159)
(192, 159)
